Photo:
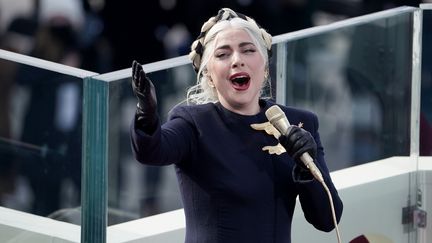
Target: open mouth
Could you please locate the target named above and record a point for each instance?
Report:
(240, 81)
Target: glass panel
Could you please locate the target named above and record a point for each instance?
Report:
(134, 190)
(357, 79)
(425, 171)
(426, 86)
(40, 141)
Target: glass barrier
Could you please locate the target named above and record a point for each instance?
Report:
(426, 84)
(425, 138)
(357, 79)
(41, 137)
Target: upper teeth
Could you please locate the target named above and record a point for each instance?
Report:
(240, 77)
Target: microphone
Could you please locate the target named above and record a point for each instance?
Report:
(278, 119)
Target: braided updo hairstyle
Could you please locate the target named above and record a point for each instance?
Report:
(203, 47)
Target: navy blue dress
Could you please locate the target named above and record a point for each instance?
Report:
(232, 191)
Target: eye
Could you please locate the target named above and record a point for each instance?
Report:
(221, 55)
(249, 50)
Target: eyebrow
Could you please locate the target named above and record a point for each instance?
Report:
(242, 44)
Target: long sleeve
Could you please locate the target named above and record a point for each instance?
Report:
(170, 143)
(313, 197)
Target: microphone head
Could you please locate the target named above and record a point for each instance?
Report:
(275, 113)
(277, 118)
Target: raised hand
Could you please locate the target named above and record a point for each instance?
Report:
(143, 88)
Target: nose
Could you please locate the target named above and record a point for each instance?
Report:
(237, 60)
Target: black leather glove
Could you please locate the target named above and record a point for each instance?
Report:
(143, 88)
(297, 142)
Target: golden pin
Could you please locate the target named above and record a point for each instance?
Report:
(270, 130)
(267, 127)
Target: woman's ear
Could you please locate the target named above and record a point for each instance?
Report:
(208, 78)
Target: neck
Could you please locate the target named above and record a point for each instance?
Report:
(246, 110)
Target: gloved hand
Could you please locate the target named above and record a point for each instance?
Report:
(297, 142)
(143, 88)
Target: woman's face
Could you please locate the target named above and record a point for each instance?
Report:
(236, 69)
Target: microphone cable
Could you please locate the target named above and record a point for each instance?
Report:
(321, 180)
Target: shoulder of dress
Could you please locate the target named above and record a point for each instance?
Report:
(298, 115)
(296, 111)
(190, 110)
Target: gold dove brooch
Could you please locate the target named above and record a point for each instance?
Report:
(271, 130)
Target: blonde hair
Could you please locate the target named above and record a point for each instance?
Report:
(203, 47)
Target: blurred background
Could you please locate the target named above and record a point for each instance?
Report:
(40, 166)
(106, 35)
